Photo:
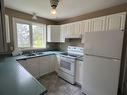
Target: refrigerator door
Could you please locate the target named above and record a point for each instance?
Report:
(108, 44)
(100, 76)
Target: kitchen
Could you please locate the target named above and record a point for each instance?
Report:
(65, 52)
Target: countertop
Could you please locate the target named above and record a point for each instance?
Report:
(15, 80)
(47, 53)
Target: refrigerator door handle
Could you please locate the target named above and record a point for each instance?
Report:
(114, 59)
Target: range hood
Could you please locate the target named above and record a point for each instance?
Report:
(74, 36)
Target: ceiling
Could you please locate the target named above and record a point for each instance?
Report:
(66, 8)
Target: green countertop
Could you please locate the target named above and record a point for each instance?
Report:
(15, 80)
(47, 53)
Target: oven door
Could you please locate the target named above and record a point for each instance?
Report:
(67, 65)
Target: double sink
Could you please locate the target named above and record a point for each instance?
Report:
(34, 54)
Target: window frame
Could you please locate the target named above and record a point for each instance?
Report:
(30, 23)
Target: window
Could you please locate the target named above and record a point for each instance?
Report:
(29, 35)
(23, 35)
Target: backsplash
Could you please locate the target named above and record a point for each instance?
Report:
(70, 42)
(50, 46)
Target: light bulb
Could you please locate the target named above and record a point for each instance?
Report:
(53, 11)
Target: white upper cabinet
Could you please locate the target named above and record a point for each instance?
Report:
(78, 29)
(58, 33)
(98, 24)
(53, 33)
(63, 32)
(73, 30)
(84, 27)
(116, 21)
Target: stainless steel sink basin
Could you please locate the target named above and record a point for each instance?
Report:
(34, 54)
(31, 54)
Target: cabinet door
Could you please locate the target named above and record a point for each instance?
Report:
(53, 33)
(57, 65)
(63, 33)
(44, 65)
(33, 66)
(77, 28)
(84, 27)
(116, 21)
(79, 72)
(70, 30)
(98, 24)
(23, 63)
(53, 62)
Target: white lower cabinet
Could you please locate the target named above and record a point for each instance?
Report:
(44, 65)
(53, 62)
(23, 63)
(79, 72)
(33, 67)
(57, 65)
(40, 66)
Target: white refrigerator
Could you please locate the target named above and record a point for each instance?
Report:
(102, 62)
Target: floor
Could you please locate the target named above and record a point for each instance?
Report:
(57, 86)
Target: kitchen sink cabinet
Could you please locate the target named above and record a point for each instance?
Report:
(33, 66)
(44, 65)
(23, 63)
(40, 66)
(47, 64)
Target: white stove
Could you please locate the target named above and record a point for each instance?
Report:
(68, 63)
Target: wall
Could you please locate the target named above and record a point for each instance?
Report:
(103, 12)
(70, 42)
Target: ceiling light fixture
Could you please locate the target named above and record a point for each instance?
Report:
(34, 16)
(54, 4)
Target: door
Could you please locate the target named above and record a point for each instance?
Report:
(108, 44)
(101, 76)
